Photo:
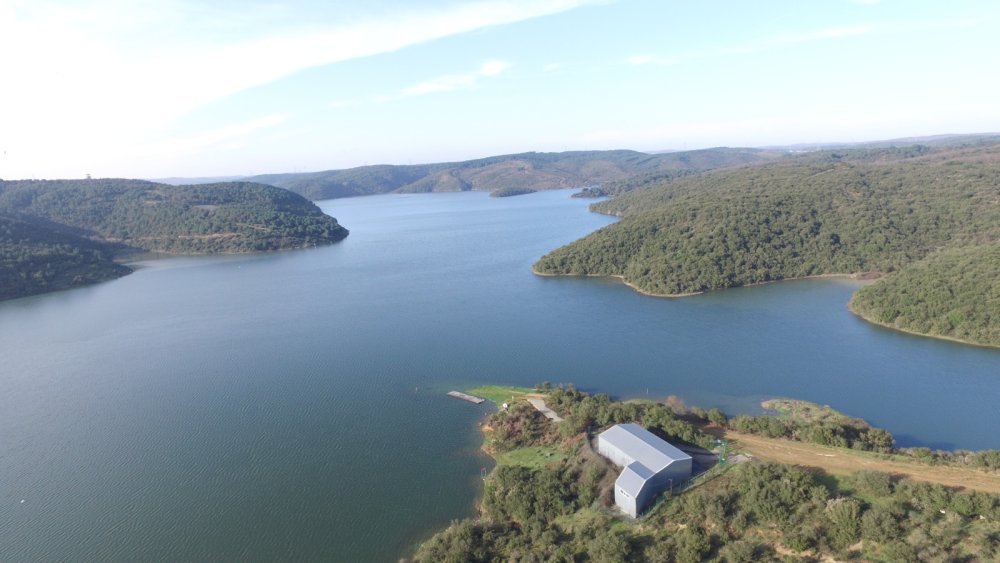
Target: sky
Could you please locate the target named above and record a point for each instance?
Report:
(149, 89)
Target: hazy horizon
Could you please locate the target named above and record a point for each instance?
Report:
(789, 146)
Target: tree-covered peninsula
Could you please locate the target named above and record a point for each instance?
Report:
(853, 211)
(511, 192)
(36, 258)
(550, 497)
(56, 234)
(954, 293)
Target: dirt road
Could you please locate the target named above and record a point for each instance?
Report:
(843, 461)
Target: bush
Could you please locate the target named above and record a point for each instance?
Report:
(844, 516)
(872, 483)
(879, 526)
(716, 416)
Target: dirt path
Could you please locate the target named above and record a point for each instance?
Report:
(544, 409)
(842, 462)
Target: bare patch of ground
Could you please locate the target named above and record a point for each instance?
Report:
(841, 461)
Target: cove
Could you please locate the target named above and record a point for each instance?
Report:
(292, 405)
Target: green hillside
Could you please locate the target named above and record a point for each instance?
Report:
(61, 233)
(535, 171)
(833, 212)
(210, 218)
(38, 258)
(952, 294)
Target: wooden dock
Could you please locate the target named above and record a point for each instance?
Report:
(466, 397)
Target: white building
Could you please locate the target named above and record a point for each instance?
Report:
(650, 465)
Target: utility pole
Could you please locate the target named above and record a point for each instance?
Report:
(723, 446)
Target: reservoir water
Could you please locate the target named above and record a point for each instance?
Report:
(291, 405)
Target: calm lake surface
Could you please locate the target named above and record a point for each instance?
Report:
(291, 406)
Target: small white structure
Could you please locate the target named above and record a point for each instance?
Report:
(650, 465)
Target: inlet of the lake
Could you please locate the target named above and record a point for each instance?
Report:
(292, 406)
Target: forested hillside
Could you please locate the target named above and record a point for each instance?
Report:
(62, 233)
(37, 258)
(847, 212)
(536, 171)
(229, 217)
(954, 294)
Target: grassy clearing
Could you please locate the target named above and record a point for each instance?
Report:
(500, 394)
(532, 456)
(810, 412)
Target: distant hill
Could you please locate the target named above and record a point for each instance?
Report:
(182, 181)
(534, 171)
(62, 233)
(947, 140)
(829, 212)
(602, 173)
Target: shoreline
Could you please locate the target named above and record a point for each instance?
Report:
(858, 276)
(850, 307)
(621, 279)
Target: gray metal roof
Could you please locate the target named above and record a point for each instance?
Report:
(633, 477)
(643, 446)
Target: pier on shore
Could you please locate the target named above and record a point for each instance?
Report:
(466, 397)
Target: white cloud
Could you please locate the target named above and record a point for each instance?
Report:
(94, 76)
(454, 82)
(336, 104)
(493, 68)
(551, 67)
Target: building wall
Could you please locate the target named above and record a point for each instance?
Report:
(645, 496)
(616, 456)
(626, 502)
(679, 471)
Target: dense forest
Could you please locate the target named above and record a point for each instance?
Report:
(536, 171)
(36, 258)
(62, 233)
(550, 498)
(829, 212)
(954, 293)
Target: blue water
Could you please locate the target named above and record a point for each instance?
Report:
(292, 405)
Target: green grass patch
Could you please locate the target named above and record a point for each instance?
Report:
(531, 456)
(811, 412)
(641, 401)
(590, 518)
(500, 394)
